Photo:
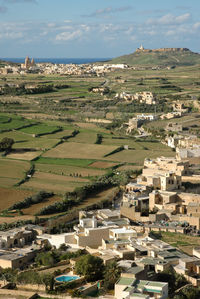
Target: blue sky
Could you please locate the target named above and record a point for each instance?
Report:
(96, 28)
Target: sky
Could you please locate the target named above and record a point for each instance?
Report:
(96, 28)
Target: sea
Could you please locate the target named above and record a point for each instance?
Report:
(59, 60)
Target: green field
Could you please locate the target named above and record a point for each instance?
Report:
(15, 123)
(86, 136)
(61, 134)
(36, 143)
(26, 141)
(4, 119)
(137, 157)
(69, 162)
(40, 129)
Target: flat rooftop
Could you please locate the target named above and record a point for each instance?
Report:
(126, 281)
(122, 231)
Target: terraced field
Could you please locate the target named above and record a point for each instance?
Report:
(40, 129)
(137, 156)
(23, 155)
(76, 151)
(8, 196)
(62, 164)
(70, 170)
(12, 171)
(53, 182)
(71, 163)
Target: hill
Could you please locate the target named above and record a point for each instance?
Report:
(161, 57)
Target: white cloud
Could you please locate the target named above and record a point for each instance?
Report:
(183, 18)
(11, 35)
(170, 19)
(151, 34)
(66, 36)
(196, 25)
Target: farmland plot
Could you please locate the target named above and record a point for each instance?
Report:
(67, 170)
(80, 151)
(137, 156)
(53, 182)
(24, 155)
(12, 172)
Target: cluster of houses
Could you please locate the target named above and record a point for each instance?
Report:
(149, 98)
(146, 97)
(158, 195)
(179, 109)
(186, 146)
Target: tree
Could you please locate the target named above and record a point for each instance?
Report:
(175, 280)
(90, 266)
(8, 274)
(48, 280)
(6, 144)
(191, 292)
(47, 258)
(111, 275)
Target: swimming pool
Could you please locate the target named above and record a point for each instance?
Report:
(66, 278)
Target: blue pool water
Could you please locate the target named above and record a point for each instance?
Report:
(66, 278)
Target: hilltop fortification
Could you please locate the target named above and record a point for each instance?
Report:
(142, 49)
(162, 57)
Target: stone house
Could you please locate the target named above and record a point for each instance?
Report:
(174, 127)
(146, 97)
